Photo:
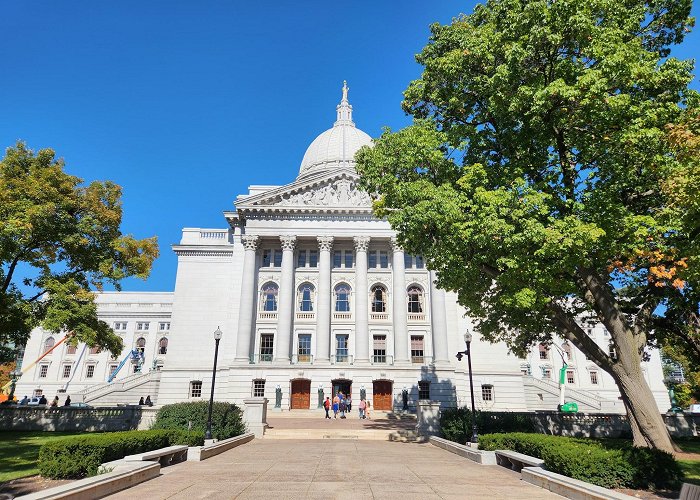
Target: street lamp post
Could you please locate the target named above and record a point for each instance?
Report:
(468, 352)
(217, 338)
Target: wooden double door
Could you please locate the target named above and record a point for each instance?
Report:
(383, 399)
(301, 394)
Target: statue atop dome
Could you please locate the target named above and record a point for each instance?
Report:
(345, 90)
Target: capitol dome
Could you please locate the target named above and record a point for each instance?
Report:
(336, 147)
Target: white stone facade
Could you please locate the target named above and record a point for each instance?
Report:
(312, 294)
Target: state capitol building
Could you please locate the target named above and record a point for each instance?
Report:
(313, 295)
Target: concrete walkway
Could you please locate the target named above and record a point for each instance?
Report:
(329, 469)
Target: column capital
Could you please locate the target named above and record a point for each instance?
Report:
(325, 243)
(361, 243)
(288, 242)
(250, 241)
(395, 245)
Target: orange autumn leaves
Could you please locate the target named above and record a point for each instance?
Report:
(662, 269)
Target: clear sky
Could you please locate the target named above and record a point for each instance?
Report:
(185, 104)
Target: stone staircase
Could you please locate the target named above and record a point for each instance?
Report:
(542, 394)
(127, 390)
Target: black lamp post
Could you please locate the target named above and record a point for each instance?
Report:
(217, 337)
(468, 352)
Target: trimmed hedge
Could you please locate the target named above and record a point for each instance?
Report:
(610, 464)
(456, 423)
(226, 418)
(76, 457)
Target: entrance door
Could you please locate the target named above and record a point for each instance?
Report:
(341, 385)
(382, 395)
(301, 394)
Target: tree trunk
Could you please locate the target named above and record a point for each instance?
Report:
(648, 426)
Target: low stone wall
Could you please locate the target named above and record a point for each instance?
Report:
(67, 419)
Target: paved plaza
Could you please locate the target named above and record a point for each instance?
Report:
(335, 468)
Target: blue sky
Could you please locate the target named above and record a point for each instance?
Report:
(185, 104)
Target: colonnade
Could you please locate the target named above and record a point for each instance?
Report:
(287, 292)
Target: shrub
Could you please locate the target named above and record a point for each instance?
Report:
(76, 457)
(611, 464)
(456, 423)
(226, 419)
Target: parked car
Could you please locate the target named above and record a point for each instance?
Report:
(694, 409)
(80, 405)
(33, 401)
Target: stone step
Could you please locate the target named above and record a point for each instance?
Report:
(362, 434)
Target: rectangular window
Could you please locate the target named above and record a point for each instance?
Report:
(278, 258)
(341, 348)
(38, 393)
(196, 389)
(66, 371)
(594, 378)
(142, 326)
(304, 349)
(258, 388)
(301, 258)
(313, 258)
(379, 342)
(337, 258)
(408, 261)
(163, 326)
(372, 260)
(487, 393)
(547, 373)
(120, 325)
(423, 389)
(267, 343)
(90, 371)
(544, 352)
(420, 263)
(348, 259)
(266, 257)
(383, 259)
(570, 377)
(112, 368)
(71, 349)
(43, 371)
(612, 352)
(417, 349)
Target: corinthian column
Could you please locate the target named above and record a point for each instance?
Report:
(323, 317)
(438, 317)
(286, 300)
(361, 300)
(247, 301)
(401, 352)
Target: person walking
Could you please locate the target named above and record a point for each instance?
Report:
(362, 407)
(336, 405)
(327, 406)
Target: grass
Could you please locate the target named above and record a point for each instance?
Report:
(691, 468)
(19, 452)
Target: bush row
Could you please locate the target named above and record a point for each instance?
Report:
(226, 418)
(611, 464)
(76, 457)
(456, 423)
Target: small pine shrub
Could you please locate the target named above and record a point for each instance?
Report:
(75, 457)
(226, 418)
(610, 464)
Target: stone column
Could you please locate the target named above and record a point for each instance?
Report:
(323, 315)
(361, 300)
(285, 308)
(400, 309)
(247, 301)
(438, 316)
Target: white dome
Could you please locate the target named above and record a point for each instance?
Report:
(336, 147)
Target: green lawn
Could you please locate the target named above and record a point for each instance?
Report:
(19, 452)
(691, 468)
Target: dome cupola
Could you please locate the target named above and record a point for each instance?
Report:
(336, 147)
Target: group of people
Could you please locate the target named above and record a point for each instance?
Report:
(146, 402)
(43, 401)
(342, 404)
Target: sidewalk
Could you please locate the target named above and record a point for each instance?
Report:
(329, 469)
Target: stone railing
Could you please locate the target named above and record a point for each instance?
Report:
(41, 418)
(583, 397)
(119, 385)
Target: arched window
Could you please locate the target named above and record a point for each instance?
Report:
(163, 346)
(268, 297)
(544, 351)
(378, 299)
(566, 347)
(141, 345)
(342, 298)
(415, 299)
(49, 343)
(305, 297)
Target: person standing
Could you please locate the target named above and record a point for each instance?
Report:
(67, 403)
(336, 405)
(327, 406)
(362, 407)
(348, 402)
(343, 405)
(367, 410)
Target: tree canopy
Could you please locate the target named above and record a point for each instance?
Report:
(60, 239)
(540, 176)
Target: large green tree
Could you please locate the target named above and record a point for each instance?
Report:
(534, 176)
(60, 239)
